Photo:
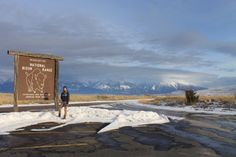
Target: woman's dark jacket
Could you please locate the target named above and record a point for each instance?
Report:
(65, 97)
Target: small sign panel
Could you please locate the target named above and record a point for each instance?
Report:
(35, 78)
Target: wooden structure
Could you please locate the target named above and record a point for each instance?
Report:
(36, 77)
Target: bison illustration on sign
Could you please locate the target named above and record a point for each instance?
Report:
(35, 81)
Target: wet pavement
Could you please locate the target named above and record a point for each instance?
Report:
(196, 135)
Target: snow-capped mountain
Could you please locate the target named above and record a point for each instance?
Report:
(115, 87)
(125, 87)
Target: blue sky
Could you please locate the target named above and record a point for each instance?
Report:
(187, 41)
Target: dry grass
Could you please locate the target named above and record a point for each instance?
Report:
(227, 99)
(167, 99)
(145, 99)
(231, 99)
(6, 98)
(75, 97)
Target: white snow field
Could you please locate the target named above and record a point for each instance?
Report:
(117, 118)
(103, 113)
(178, 108)
(182, 108)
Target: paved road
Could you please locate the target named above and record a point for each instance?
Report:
(197, 135)
(83, 140)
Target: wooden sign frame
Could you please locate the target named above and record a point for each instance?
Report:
(17, 55)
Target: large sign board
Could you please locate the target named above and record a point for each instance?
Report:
(36, 78)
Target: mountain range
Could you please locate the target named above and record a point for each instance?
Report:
(114, 87)
(126, 87)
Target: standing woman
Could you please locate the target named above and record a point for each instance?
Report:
(65, 98)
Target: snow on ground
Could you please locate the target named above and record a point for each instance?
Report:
(135, 118)
(117, 118)
(103, 113)
(189, 109)
(177, 108)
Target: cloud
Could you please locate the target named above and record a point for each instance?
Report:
(86, 47)
(98, 71)
(193, 41)
(228, 82)
(225, 47)
(105, 47)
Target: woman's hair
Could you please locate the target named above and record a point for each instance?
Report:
(64, 87)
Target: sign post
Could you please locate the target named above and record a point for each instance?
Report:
(36, 77)
(56, 90)
(15, 83)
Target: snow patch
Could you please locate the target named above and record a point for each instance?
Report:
(154, 87)
(189, 109)
(104, 87)
(135, 118)
(124, 87)
(117, 118)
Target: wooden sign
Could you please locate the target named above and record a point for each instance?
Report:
(36, 77)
